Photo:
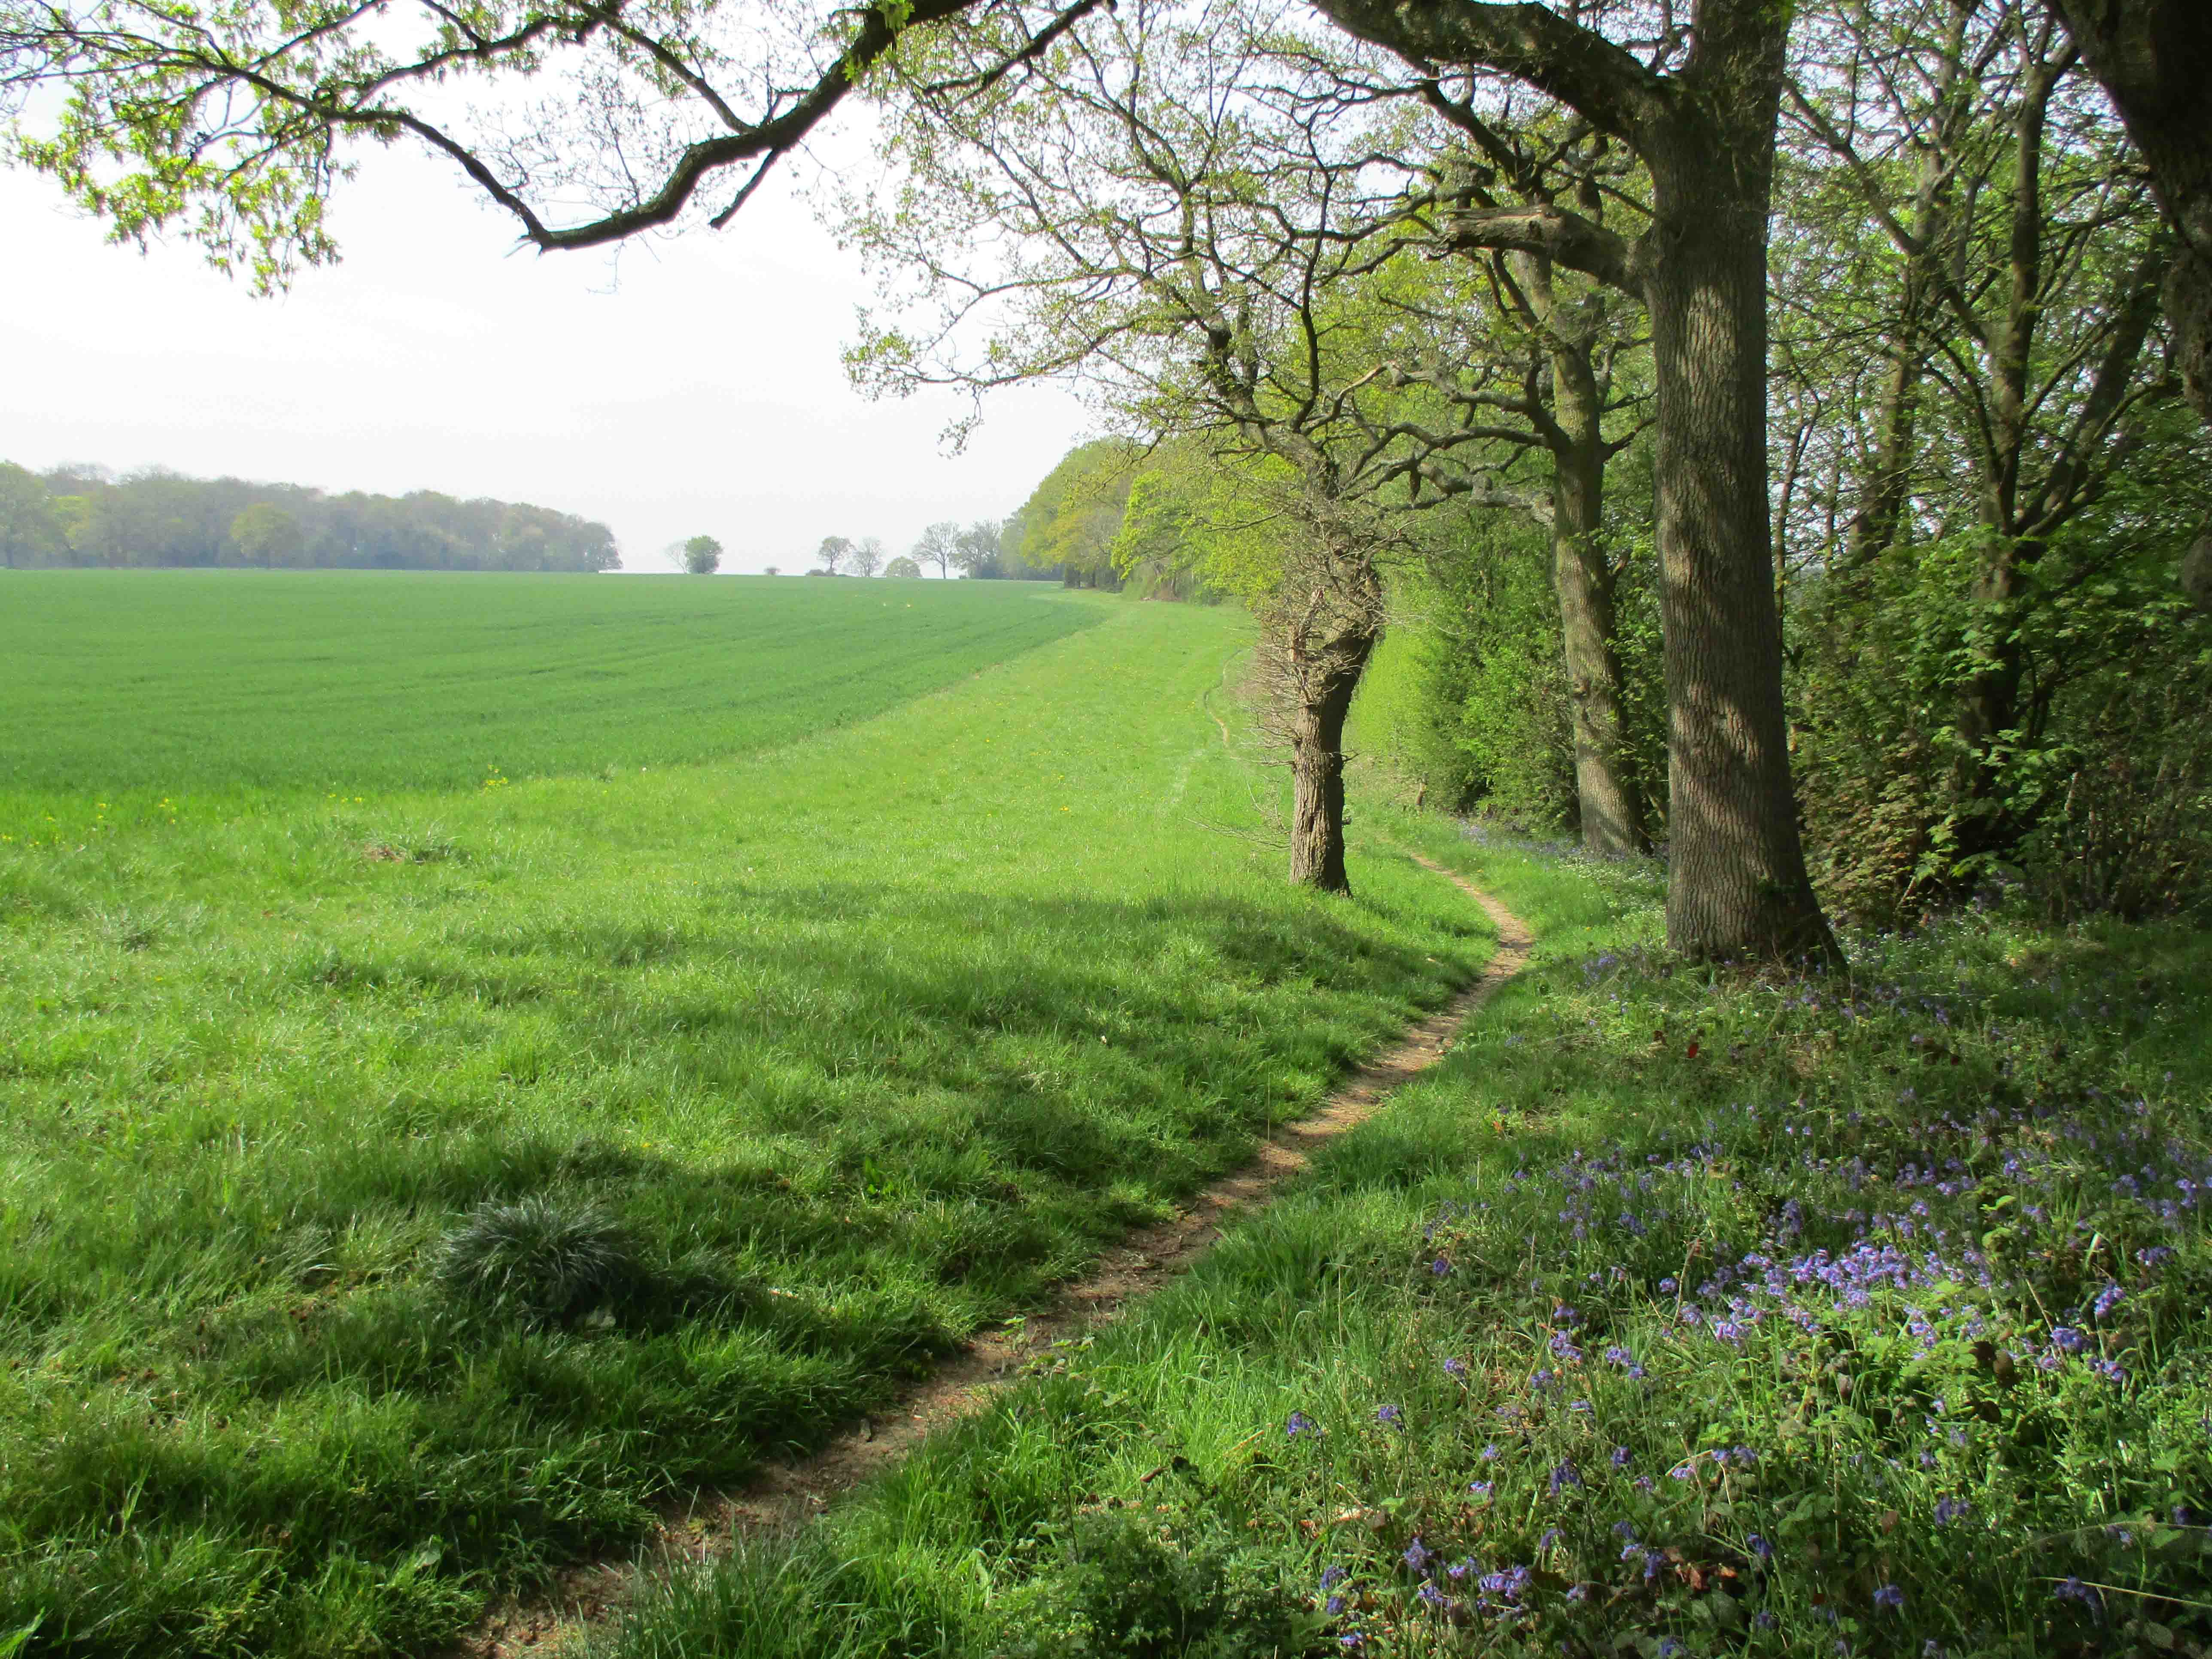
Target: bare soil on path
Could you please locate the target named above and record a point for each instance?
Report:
(789, 1493)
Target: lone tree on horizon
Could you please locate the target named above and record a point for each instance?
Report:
(703, 556)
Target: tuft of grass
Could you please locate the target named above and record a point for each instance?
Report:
(540, 1259)
(1680, 1312)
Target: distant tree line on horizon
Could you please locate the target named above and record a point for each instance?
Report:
(86, 516)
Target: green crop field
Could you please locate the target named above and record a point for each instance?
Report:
(187, 682)
(406, 1184)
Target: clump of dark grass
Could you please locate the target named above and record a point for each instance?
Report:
(541, 1261)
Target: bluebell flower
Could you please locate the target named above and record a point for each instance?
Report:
(1454, 1366)
(1389, 1417)
(1333, 1605)
(1332, 1575)
(1620, 1457)
(1890, 1597)
(1759, 1547)
(1300, 1424)
(1481, 1489)
(1441, 1266)
(2107, 1299)
(1418, 1555)
(1489, 1453)
(1564, 1476)
(1951, 1509)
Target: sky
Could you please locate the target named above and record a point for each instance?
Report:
(687, 385)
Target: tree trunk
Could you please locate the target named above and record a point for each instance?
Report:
(1324, 698)
(1737, 885)
(2154, 58)
(1605, 780)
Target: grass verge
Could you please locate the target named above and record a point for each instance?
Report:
(1677, 1313)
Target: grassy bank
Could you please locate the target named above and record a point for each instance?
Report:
(403, 1191)
(1677, 1313)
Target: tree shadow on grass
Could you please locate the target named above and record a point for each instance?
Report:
(889, 1117)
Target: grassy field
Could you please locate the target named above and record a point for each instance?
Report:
(132, 686)
(1677, 1313)
(405, 1190)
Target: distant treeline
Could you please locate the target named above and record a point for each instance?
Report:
(86, 516)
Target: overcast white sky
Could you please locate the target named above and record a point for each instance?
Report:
(693, 387)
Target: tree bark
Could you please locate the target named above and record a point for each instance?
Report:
(2154, 60)
(1605, 774)
(1737, 883)
(1317, 766)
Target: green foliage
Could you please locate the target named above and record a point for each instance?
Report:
(1470, 700)
(30, 533)
(1124, 1583)
(1677, 1311)
(156, 518)
(902, 568)
(1068, 525)
(198, 684)
(853, 1046)
(2097, 796)
(265, 534)
(703, 556)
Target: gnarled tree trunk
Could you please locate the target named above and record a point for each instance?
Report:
(1316, 732)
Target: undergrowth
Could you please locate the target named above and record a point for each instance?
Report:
(1681, 1312)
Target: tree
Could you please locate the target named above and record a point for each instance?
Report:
(902, 569)
(703, 556)
(2154, 58)
(236, 124)
(770, 570)
(1198, 253)
(1958, 196)
(939, 544)
(834, 551)
(29, 533)
(1701, 115)
(978, 552)
(266, 535)
(867, 556)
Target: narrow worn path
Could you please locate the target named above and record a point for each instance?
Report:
(786, 1494)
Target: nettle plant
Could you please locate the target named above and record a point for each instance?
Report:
(1914, 1364)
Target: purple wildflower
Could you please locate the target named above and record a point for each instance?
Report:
(1890, 1597)
(1418, 1555)
(1390, 1417)
(1300, 1424)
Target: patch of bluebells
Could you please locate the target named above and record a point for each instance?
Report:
(1954, 1247)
